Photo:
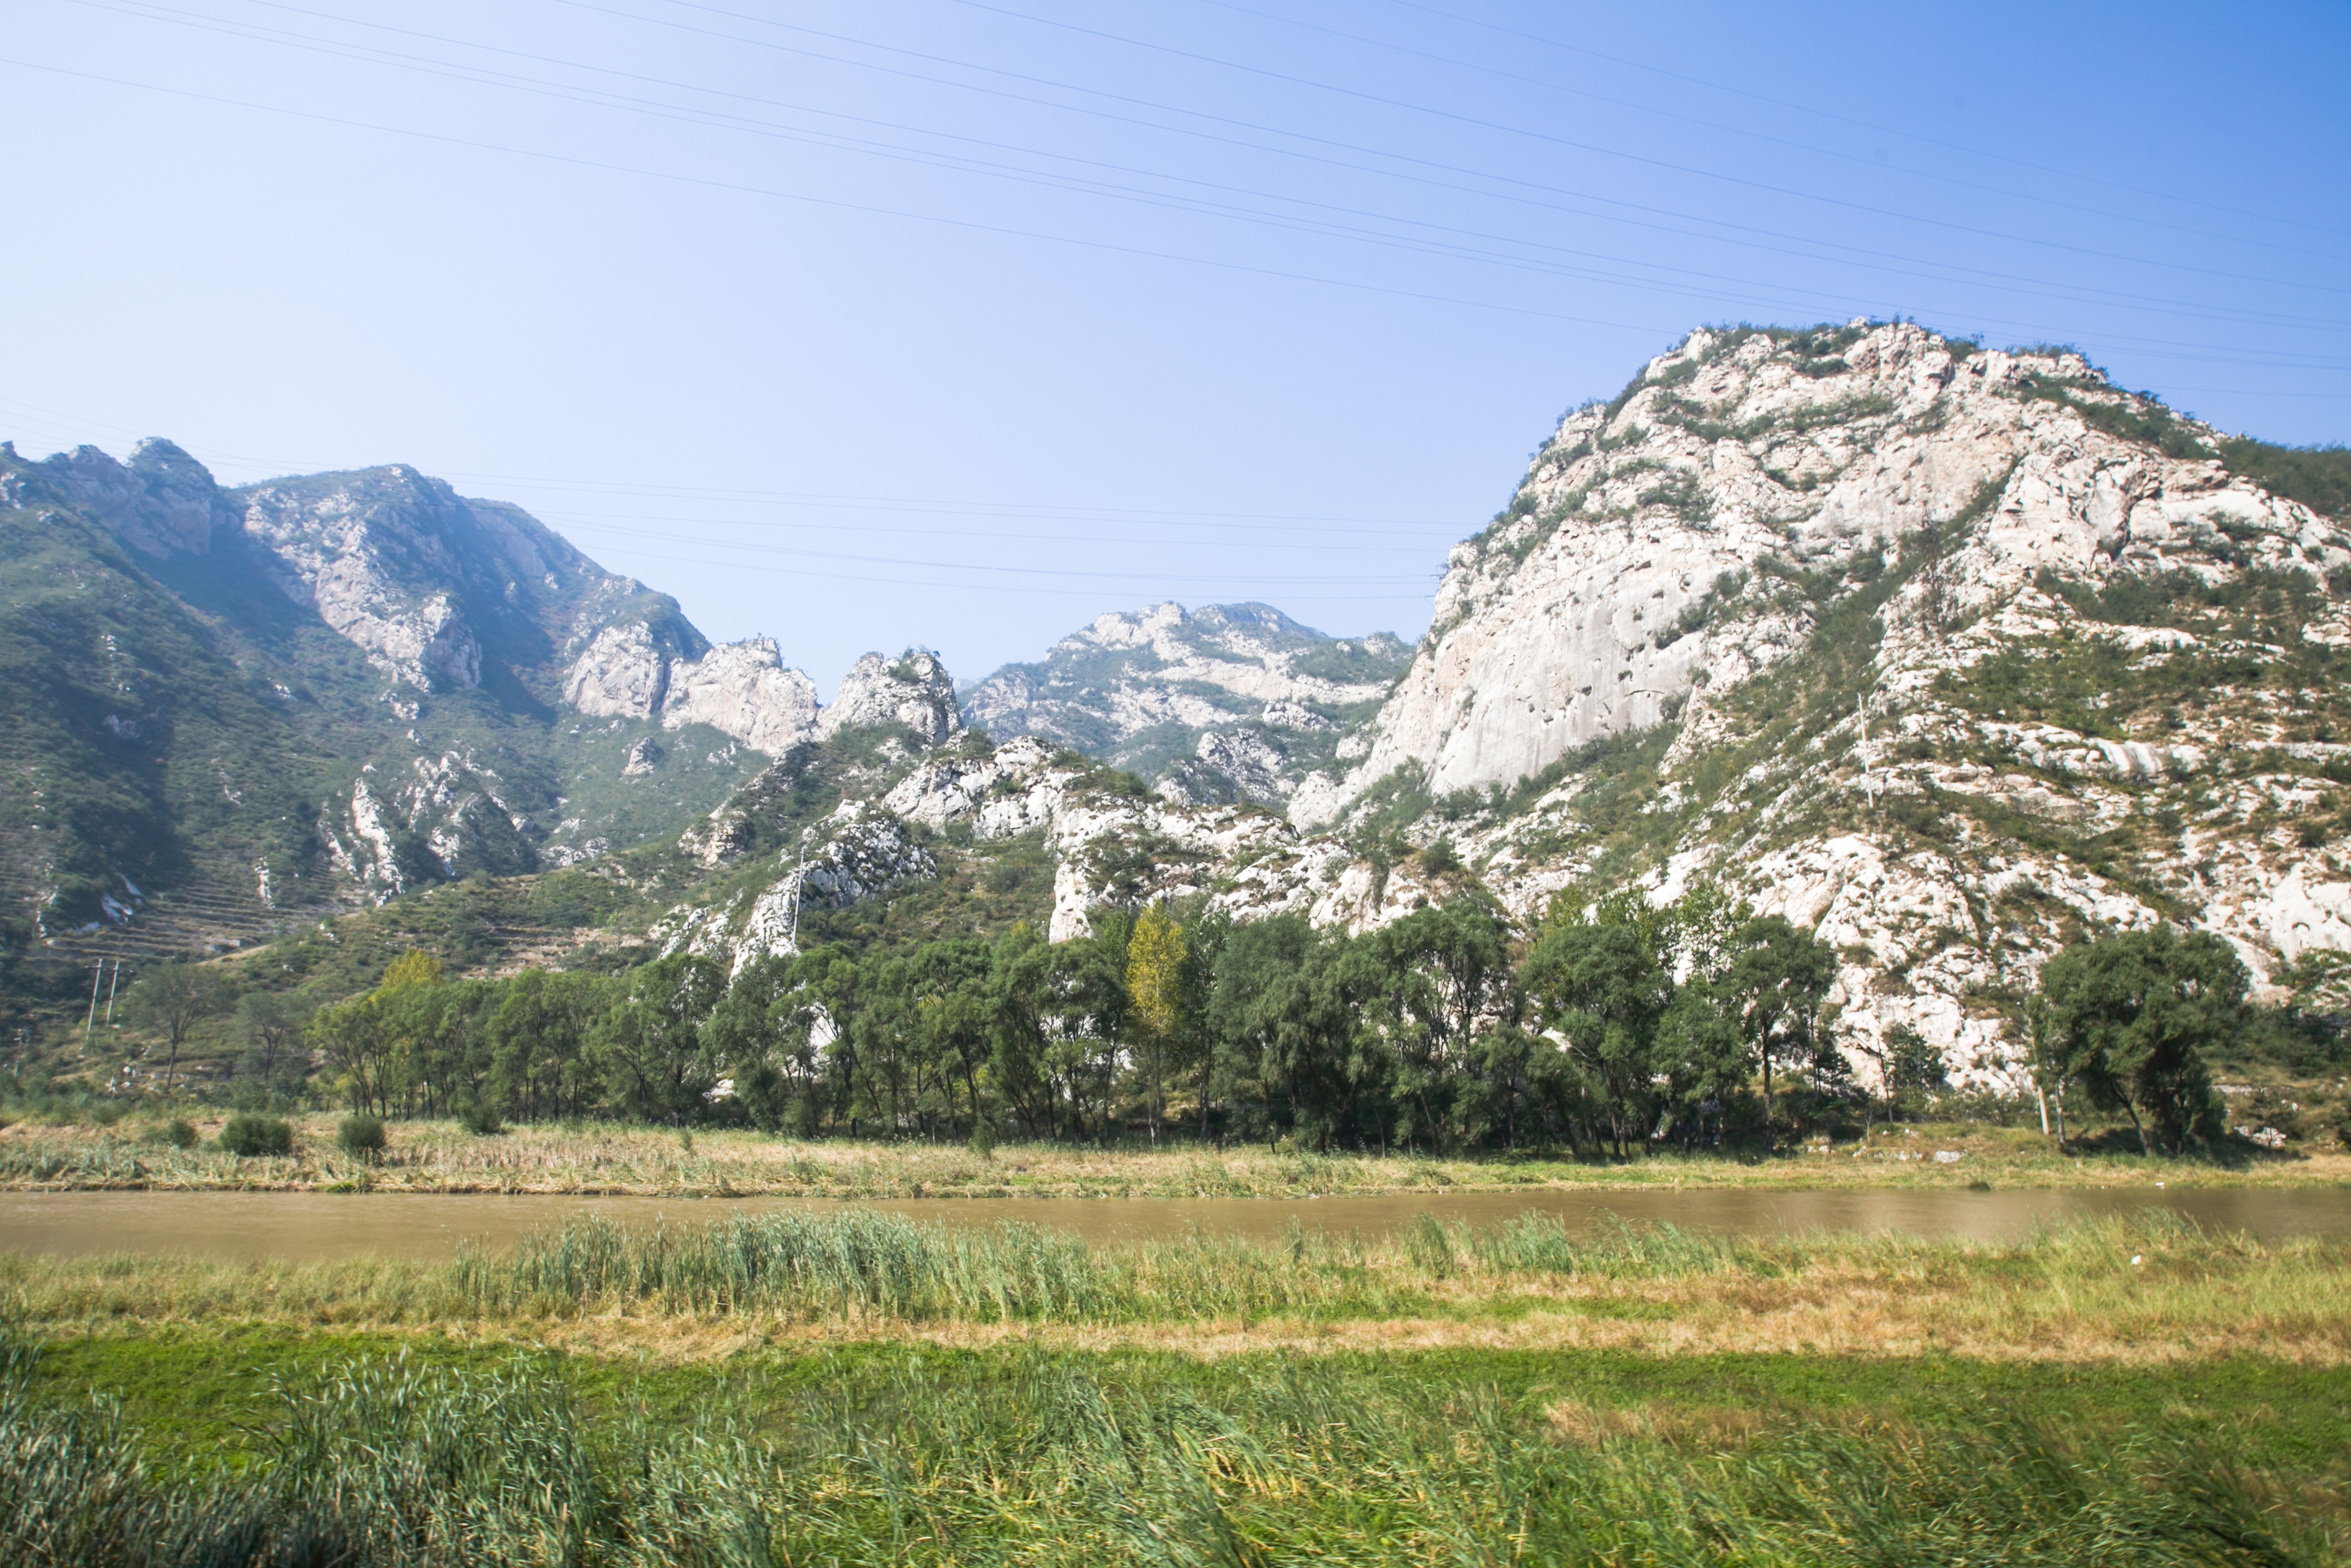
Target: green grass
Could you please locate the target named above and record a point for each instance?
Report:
(457, 1453)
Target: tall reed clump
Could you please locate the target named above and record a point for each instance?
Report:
(390, 1465)
(861, 1264)
(864, 1264)
(378, 1465)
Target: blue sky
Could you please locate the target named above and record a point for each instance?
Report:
(957, 323)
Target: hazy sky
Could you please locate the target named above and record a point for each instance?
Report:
(957, 323)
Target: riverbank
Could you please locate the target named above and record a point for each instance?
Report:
(429, 1156)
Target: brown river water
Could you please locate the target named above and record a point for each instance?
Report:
(242, 1226)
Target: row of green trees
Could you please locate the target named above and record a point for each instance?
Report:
(1616, 1025)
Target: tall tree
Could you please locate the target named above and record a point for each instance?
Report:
(1447, 967)
(1018, 983)
(1603, 988)
(2132, 1016)
(537, 1038)
(650, 1040)
(1779, 981)
(171, 998)
(1156, 989)
(272, 1023)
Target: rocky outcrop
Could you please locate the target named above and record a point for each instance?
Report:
(445, 817)
(621, 673)
(741, 689)
(1623, 579)
(161, 503)
(1150, 690)
(427, 582)
(856, 853)
(744, 690)
(913, 691)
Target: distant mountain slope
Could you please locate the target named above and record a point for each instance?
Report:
(344, 685)
(1226, 703)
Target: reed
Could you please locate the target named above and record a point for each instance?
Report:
(2149, 1287)
(384, 1462)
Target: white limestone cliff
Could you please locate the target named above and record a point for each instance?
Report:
(741, 689)
(912, 690)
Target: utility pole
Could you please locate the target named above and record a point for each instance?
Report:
(791, 890)
(110, 992)
(96, 975)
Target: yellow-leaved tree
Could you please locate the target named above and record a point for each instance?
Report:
(1154, 995)
(410, 969)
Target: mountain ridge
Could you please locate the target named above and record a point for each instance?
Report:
(1226, 703)
(412, 680)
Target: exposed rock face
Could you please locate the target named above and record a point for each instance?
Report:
(744, 689)
(740, 689)
(446, 818)
(621, 673)
(161, 503)
(1146, 690)
(912, 690)
(422, 580)
(858, 853)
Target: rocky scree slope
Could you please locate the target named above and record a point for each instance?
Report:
(1226, 703)
(1952, 657)
(342, 685)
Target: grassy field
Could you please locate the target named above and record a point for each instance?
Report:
(613, 1159)
(316, 1449)
(852, 1388)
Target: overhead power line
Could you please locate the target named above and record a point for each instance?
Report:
(1648, 278)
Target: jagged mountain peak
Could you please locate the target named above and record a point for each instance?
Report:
(1227, 702)
(161, 503)
(1622, 582)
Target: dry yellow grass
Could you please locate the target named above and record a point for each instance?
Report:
(616, 1160)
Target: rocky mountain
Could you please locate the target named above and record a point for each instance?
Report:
(1950, 655)
(345, 685)
(1230, 702)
